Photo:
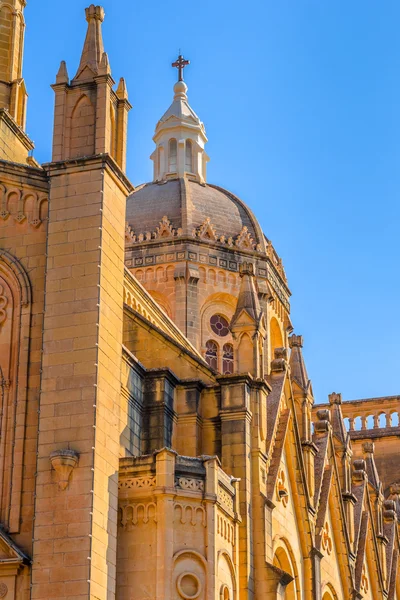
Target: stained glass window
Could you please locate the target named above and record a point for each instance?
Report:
(212, 354)
(227, 359)
(219, 325)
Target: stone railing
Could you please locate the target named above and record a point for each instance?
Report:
(372, 414)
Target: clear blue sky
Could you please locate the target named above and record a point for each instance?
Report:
(301, 101)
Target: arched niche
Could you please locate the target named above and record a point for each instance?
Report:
(189, 578)
(15, 316)
(83, 122)
(328, 592)
(285, 562)
(226, 577)
(275, 336)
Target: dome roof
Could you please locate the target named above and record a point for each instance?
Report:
(185, 207)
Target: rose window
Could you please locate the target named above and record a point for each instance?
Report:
(219, 325)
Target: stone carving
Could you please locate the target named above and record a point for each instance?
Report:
(137, 483)
(224, 498)
(3, 305)
(244, 240)
(189, 586)
(364, 585)
(207, 230)
(134, 514)
(3, 590)
(63, 462)
(164, 229)
(281, 489)
(194, 485)
(189, 513)
(225, 529)
(327, 544)
(20, 199)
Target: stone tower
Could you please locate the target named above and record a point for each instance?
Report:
(80, 420)
(14, 144)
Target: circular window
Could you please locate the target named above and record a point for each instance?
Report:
(189, 586)
(219, 325)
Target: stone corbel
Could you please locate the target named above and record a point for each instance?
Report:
(63, 462)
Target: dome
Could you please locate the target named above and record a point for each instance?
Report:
(187, 208)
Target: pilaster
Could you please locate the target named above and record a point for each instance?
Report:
(236, 424)
(80, 395)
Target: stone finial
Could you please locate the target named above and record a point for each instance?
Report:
(104, 67)
(93, 49)
(280, 361)
(324, 414)
(296, 341)
(95, 12)
(368, 447)
(360, 470)
(63, 462)
(122, 91)
(62, 75)
(324, 421)
(335, 398)
(389, 510)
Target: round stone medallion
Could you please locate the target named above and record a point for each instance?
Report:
(3, 590)
(189, 586)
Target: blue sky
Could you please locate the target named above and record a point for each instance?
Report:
(301, 102)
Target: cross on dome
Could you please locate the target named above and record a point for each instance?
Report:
(180, 64)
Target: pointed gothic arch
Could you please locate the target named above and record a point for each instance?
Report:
(82, 133)
(15, 317)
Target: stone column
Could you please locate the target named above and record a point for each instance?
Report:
(236, 423)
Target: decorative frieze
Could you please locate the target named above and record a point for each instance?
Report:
(137, 513)
(225, 529)
(193, 514)
(21, 204)
(189, 483)
(137, 483)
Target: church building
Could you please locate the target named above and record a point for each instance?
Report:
(159, 437)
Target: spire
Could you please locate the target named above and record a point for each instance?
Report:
(248, 326)
(248, 301)
(297, 364)
(93, 49)
(13, 95)
(90, 117)
(180, 137)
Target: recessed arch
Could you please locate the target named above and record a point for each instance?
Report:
(172, 155)
(284, 560)
(275, 336)
(82, 136)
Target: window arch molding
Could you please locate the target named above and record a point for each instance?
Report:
(285, 560)
(189, 156)
(212, 354)
(172, 155)
(16, 303)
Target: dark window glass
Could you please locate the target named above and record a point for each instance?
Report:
(219, 325)
(212, 354)
(227, 359)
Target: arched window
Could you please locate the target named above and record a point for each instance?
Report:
(227, 359)
(212, 354)
(172, 155)
(158, 161)
(189, 156)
